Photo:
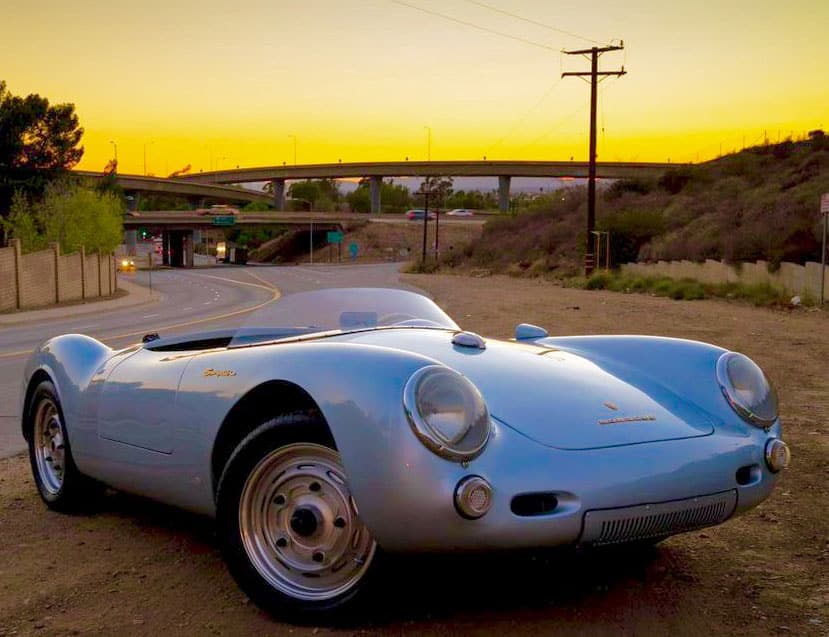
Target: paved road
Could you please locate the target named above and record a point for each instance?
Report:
(191, 300)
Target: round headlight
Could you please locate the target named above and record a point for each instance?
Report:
(747, 389)
(447, 412)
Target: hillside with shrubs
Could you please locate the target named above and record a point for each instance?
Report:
(758, 204)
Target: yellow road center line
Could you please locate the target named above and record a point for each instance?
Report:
(275, 295)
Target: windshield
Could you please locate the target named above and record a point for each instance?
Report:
(340, 309)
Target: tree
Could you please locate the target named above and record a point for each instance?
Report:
(321, 194)
(439, 189)
(69, 214)
(38, 142)
(393, 197)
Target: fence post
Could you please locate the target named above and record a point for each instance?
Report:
(82, 254)
(18, 271)
(100, 288)
(56, 250)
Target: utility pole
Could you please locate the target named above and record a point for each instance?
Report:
(594, 74)
(425, 225)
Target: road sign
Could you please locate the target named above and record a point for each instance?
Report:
(224, 220)
(335, 236)
(824, 203)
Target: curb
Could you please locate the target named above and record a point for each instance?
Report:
(137, 296)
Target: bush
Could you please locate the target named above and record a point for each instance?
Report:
(71, 215)
(599, 281)
(674, 180)
(621, 186)
(256, 206)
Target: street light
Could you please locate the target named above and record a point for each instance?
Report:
(145, 155)
(294, 138)
(116, 150)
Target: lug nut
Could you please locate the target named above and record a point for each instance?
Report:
(318, 556)
(280, 499)
(339, 523)
(282, 542)
(315, 486)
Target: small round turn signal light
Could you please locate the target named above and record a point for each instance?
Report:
(777, 455)
(473, 497)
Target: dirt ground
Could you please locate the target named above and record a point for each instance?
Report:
(139, 568)
(379, 242)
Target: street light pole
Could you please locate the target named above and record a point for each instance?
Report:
(428, 143)
(115, 146)
(294, 138)
(145, 155)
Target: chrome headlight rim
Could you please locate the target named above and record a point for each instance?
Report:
(729, 391)
(773, 461)
(426, 433)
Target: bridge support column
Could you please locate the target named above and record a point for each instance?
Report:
(131, 241)
(165, 247)
(503, 192)
(278, 193)
(375, 184)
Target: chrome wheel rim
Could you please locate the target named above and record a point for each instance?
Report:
(49, 446)
(299, 524)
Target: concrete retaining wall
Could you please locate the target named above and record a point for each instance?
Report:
(802, 280)
(47, 277)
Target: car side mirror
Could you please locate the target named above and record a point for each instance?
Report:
(525, 331)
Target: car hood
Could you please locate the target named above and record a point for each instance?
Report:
(557, 398)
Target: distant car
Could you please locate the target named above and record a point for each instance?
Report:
(460, 212)
(126, 265)
(419, 213)
(218, 210)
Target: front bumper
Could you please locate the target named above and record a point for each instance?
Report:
(645, 490)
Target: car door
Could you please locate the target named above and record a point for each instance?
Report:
(138, 402)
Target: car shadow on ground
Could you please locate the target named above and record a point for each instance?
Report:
(426, 589)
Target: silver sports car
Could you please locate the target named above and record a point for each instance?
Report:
(346, 424)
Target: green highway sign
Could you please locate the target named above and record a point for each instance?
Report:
(335, 236)
(224, 220)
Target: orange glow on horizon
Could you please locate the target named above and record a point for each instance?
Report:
(218, 86)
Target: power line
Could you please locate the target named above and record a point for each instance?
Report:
(534, 22)
(554, 127)
(525, 115)
(476, 26)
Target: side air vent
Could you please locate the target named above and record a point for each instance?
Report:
(748, 475)
(611, 526)
(531, 504)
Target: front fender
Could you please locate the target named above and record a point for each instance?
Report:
(358, 389)
(70, 361)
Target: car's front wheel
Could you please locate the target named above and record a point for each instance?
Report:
(61, 486)
(288, 523)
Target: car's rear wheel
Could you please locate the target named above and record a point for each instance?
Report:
(288, 524)
(61, 486)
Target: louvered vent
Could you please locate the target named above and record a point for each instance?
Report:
(611, 526)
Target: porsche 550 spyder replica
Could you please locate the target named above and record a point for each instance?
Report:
(353, 420)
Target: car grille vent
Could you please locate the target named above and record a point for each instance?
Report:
(611, 526)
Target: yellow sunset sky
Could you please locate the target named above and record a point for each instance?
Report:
(221, 84)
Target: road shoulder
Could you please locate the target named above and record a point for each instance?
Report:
(136, 295)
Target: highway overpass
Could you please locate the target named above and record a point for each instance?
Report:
(181, 230)
(376, 171)
(195, 191)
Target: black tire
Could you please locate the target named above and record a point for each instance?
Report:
(288, 530)
(59, 482)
